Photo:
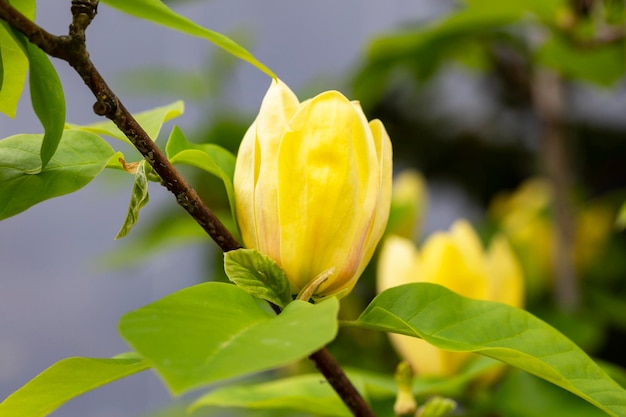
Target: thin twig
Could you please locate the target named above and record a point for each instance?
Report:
(73, 50)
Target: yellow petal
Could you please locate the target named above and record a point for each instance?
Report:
(470, 247)
(244, 185)
(277, 108)
(328, 184)
(278, 105)
(397, 263)
(383, 206)
(505, 274)
(425, 359)
(444, 263)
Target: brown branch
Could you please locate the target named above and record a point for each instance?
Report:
(549, 103)
(335, 376)
(73, 50)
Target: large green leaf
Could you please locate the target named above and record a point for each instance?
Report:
(209, 157)
(309, 393)
(66, 380)
(47, 98)
(452, 322)
(78, 159)
(157, 12)
(14, 62)
(214, 331)
(547, 399)
(602, 66)
(150, 120)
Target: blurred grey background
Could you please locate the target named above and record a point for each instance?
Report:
(56, 300)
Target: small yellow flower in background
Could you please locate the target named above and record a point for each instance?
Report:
(454, 259)
(409, 199)
(524, 217)
(313, 188)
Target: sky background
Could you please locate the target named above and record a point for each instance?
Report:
(56, 300)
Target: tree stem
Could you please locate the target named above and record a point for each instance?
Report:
(549, 102)
(72, 49)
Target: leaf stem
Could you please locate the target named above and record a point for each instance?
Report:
(72, 49)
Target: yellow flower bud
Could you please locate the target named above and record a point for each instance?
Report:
(409, 199)
(456, 260)
(313, 187)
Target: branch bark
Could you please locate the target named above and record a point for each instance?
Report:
(549, 103)
(72, 49)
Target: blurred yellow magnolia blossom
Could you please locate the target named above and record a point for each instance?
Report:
(525, 219)
(313, 188)
(456, 260)
(409, 199)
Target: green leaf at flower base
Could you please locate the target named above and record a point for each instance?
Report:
(258, 275)
(452, 322)
(209, 157)
(157, 12)
(14, 62)
(47, 98)
(78, 159)
(309, 393)
(215, 331)
(65, 380)
(150, 120)
(138, 199)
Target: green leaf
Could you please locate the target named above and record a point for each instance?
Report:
(46, 95)
(437, 407)
(138, 199)
(309, 393)
(157, 12)
(64, 381)
(15, 62)
(602, 66)
(452, 322)
(516, 390)
(620, 221)
(258, 275)
(215, 331)
(209, 157)
(151, 121)
(79, 158)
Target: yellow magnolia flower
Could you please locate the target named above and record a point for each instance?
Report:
(313, 188)
(524, 217)
(456, 260)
